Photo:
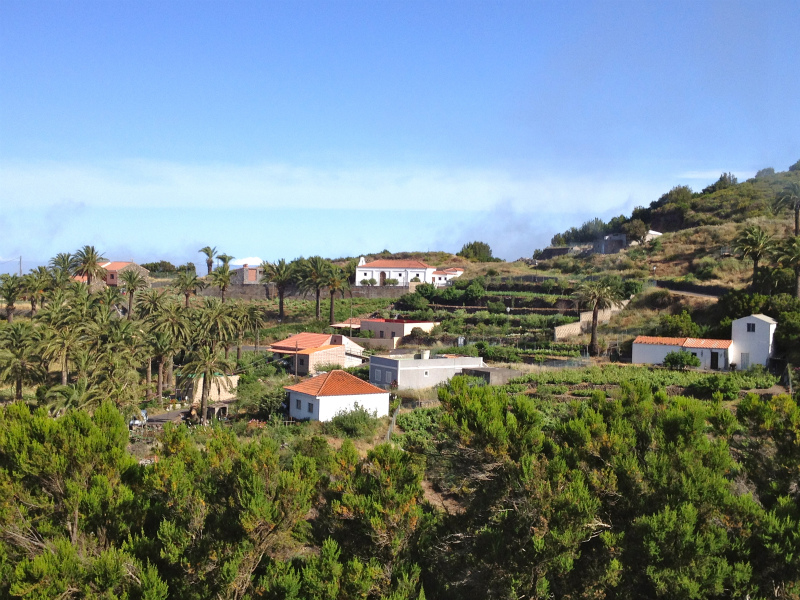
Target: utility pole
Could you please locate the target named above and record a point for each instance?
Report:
(20, 265)
(295, 360)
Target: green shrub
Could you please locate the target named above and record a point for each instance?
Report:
(681, 360)
(356, 423)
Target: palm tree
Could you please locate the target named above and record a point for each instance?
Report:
(171, 319)
(226, 259)
(210, 254)
(313, 275)
(150, 302)
(63, 342)
(61, 262)
(163, 346)
(20, 359)
(11, 288)
(61, 398)
(282, 274)
(214, 324)
(256, 320)
(188, 283)
(790, 198)
(600, 295)
(221, 278)
(754, 243)
(87, 263)
(209, 365)
(337, 282)
(133, 281)
(36, 285)
(788, 255)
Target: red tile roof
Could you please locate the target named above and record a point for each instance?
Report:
(301, 341)
(683, 342)
(116, 265)
(705, 343)
(313, 350)
(660, 341)
(395, 264)
(335, 383)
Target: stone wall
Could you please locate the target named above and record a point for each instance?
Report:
(585, 323)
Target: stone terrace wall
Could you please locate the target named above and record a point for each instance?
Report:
(585, 324)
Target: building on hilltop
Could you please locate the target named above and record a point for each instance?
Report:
(404, 272)
(415, 372)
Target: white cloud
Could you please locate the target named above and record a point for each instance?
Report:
(250, 260)
(150, 184)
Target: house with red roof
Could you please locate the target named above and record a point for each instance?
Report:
(113, 270)
(308, 351)
(751, 343)
(323, 397)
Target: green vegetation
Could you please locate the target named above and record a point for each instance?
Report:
(681, 360)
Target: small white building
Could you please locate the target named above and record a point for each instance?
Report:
(416, 372)
(323, 397)
(752, 340)
(443, 277)
(751, 343)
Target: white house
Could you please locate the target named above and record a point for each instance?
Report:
(401, 270)
(322, 397)
(443, 277)
(750, 344)
(752, 340)
(713, 354)
(409, 372)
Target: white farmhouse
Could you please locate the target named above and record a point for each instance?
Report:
(416, 372)
(322, 397)
(750, 344)
(401, 270)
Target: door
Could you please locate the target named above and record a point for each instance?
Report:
(383, 278)
(745, 364)
(715, 360)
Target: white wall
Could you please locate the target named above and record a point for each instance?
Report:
(403, 276)
(327, 407)
(757, 344)
(651, 354)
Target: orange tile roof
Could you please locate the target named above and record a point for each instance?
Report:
(313, 350)
(395, 264)
(683, 342)
(335, 383)
(116, 265)
(660, 341)
(705, 343)
(301, 341)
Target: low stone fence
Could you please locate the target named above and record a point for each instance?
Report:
(585, 323)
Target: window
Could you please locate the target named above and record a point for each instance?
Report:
(311, 407)
(751, 328)
(298, 404)
(417, 275)
(393, 334)
(301, 361)
(381, 334)
(399, 274)
(425, 373)
(377, 374)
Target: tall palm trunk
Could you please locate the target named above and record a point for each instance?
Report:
(170, 372)
(331, 315)
(594, 347)
(755, 270)
(10, 312)
(281, 292)
(186, 305)
(318, 296)
(18, 390)
(210, 265)
(258, 337)
(130, 304)
(148, 379)
(64, 369)
(33, 306)
(239, 349)
(161, 380)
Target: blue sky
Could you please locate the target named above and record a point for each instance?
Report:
(278, 129)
